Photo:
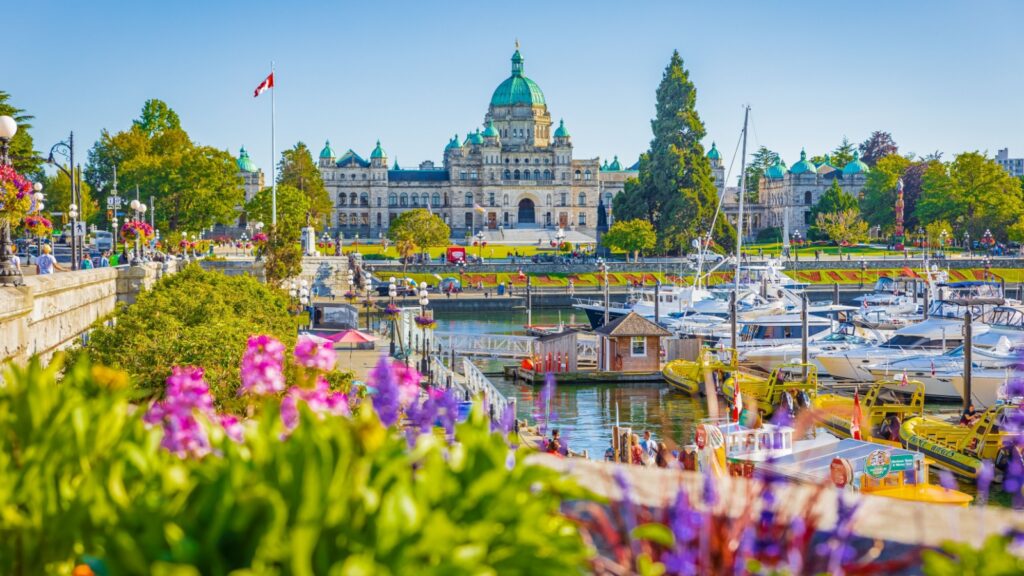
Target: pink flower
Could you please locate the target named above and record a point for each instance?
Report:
(320, 400)
(187, 396)
(232, 427)
(262, 366)
(408, 383)
(311, 354)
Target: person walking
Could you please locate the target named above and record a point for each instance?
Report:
(649, 446)
(15, 259)
(636, 453)
(105, 259)
(86, 263)
(46, 263)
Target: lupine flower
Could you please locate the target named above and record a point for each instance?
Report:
(262, 370)
(386, 399)
(187, 395)
(320, 400)
(312, 354)
(421, 417)
(448, 412)
(685, 523)
(232, 427)
(628, 510)
(946, 480)
(408, 379)
(838, 548)
(543, 407)
(505, 421)
(984, 480)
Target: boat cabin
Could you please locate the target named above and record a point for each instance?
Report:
(631, 343)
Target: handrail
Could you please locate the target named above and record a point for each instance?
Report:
(477, 382)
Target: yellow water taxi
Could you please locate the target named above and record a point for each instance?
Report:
(961, 448)
(885, 406)
(692, 376)
(794, 385)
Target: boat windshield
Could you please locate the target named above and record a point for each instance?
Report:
(1004, 316)
(843, 337)
(908, 341)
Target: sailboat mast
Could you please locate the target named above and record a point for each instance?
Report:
(743, 193)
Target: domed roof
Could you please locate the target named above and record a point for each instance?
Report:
(453, 143)
(777, 170)
(803, 166)
(561, 132)
(244, 163)
(713, 153)
(855, 166)
(327, 152)
(474, 138)
(826, 161)
(490, 131)
(615, 166)
(517, 89)
(378, 152)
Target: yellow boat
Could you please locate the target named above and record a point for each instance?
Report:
(883, 411)
(794, 384)
(691, 376)
(960, 449)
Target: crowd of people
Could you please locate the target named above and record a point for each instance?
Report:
(648, 452)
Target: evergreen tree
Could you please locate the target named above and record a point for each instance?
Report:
(297, 169)
(878, 145)
(675, 190)
(833, 200)
(759, 163)
(843, 154)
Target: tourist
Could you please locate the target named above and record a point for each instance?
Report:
(114, 260)
(86, 263)
(554, 446)
(649, 446)
(105, 259)
(661, 458)
(609, 453)
(636, 453)
(15, 260)
(970, 416)
(46, 263)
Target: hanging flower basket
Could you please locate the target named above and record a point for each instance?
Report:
(15, 195)
(350, 296)
(37, 225)
(136, 229)
(392, 311)
(259, 238)
(425, 322)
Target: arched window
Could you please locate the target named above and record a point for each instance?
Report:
(547, 201)
(435, 200)
(536, 174)
(515, 175)
(364, 199)
(582, 200)
(807, 197)
(508, 174)
(353, 176)
(392, 199)
(469, 199)
(526, 160)
(415, 200)
(403, 200)
(526, 174)
(547, 174)
(586, 175)
(342, 219)
(352, 198)
(577, 175)
(342, 199)
(504, 200)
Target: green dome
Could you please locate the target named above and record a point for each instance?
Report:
(475, 138)
(776, 171)
(453, 143)
(803, 166)
(713, 153)
(244, 163)
(378, 152)
(826, 161)
(561, 132)
(517, 89)
(327, 152)
(604, 166)
(855, 166)
(490, 131)
(615, 166)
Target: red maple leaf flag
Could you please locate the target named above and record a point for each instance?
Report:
(267, 84)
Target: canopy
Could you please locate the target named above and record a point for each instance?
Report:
(351, 336)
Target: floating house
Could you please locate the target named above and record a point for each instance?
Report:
(631, 343)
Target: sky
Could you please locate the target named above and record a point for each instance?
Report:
(938, 75)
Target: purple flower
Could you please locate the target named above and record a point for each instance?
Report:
(421, 416)
(946, 480)
(505, 420)
(262, 370)
(448, 412)
(985, 475)
(386, 399)
(544, 401)
(311, 354)
(232, 427)
(839, 550)
(186, 397)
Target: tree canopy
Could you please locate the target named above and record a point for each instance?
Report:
(878, 145)
(298, 170)
(879, 193)
(21, 148)
(292, 206)
(973, 192)
(843, 154)
(675, 190)
(419, 227)
(57, 189)
(843, 228)
(631, 236)
(834, 199)
(759, 163)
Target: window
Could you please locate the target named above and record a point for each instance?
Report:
(379, 201)
(504, 201)
(563, 199)
(353, 176)
(547, 174)
(472, 175)
(582, 200)
(445, 198)
(526, 161)
(807, 197)
(364, 176)
(352, 199)
(548, 200)
(342, 199)
(378, 218)
(403, 200)
(565, 176)
(508, 174)
(586, 175)
(515, 175)
(577, 175)
(415, 200)
(469, 219)
(469, 199)
(582, 219)
(364, 199)
(536, 174)
(342, 219)
(490, 199)
(526, 174)
(435, 200)
(507, 160)
(638, 346)
(462, 175)
(392, 200)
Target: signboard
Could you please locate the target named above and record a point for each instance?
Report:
(901, 462)
(878, 464)
(113, 201)
(79, 228)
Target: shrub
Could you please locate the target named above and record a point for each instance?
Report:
(196, 318)
(773, 234)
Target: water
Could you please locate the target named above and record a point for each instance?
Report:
(585, 414)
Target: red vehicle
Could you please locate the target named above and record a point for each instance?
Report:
(456, 254)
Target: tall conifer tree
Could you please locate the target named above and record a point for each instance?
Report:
(675, 190)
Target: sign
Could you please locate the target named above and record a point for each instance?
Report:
(113, 201)
(79, 228)
(901, 462)
(878, 464)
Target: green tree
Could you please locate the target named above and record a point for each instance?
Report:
(297, 169)
(878, 145)
(282, 255)
(157, 117)
(879, 192)
(57, 189)
(292, 206)
(631, 236)
(675, 189)
(759, 163)
(22, 148)
(417, 229)
(934, 231)
(843, 154)
(834, 199)
(109, 151)
(972, 191)
(844, 227)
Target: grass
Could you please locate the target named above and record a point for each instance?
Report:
(489, 252)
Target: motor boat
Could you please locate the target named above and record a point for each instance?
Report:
(757, 331)
(990, 386)
(937, 373)
(845, 336)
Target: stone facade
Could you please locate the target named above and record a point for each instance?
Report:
(517, 172)
(252, 180)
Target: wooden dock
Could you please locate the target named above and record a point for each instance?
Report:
(520, 374)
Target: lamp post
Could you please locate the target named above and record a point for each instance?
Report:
(10, 275)
(392, 293)
(73, 214)
(366, 288)
(38, 197)
(480, 246)
(987, 240)
(943, 236)
(425, 354)
(602, 266)
(987, 262)
(796, 243)
(140, 210)
(863, 271)
(967, 243)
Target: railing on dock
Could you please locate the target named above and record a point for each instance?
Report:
(477, 383)
(446, 377)
(505, 345)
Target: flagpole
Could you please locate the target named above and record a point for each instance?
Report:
(273, 156)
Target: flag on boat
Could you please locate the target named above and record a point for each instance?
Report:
(857, 416)
(737, 403)
(267, 84)
(904, 381)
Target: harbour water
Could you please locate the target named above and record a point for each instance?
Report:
(585, 414)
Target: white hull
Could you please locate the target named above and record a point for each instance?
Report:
(985, 385)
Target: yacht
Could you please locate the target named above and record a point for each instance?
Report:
(845, 336)
(990, 386)
(756, 331)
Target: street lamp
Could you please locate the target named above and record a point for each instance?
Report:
(863, 270)
(987, 262)
(480, 246)
(602, 266)
(367, 279)
(392, 293)
(73, 214)
(10, 275)
(796, 242)
(967, 243)
(943, 236)
(425, 354)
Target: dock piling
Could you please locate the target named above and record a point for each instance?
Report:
(968, 341)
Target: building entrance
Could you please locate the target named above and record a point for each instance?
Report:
(526, 214)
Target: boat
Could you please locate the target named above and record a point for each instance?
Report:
(691, 376)
(793, 385)
(962, 449)
(884, 408)
(845, 336)
(989, 386)
(938, 373)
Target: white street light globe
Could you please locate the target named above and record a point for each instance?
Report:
(72, 207)
(143, 208)
(8, 127)
(134, 204)
(73, 214)
(38, 195)
(41, 206)
(37, 186)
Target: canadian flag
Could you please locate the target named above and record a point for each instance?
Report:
(267, 84)
(904, 381)
(737, 403)
(855, 421)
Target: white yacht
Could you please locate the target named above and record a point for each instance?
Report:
(989, 386)
(844, 337)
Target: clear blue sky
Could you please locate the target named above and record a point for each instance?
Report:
(939, 75)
